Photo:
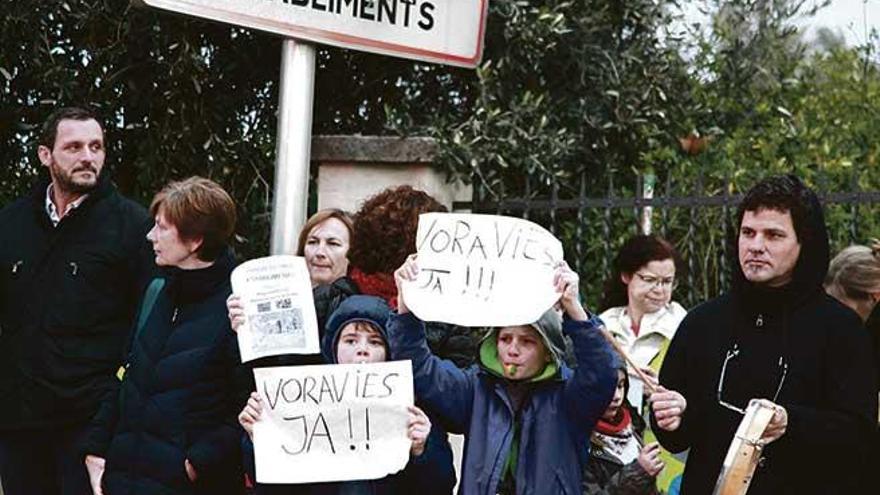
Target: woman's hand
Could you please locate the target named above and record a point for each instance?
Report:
(236, 311)
(251, 414)
(566, 282)
(649, 459)
(418, 429)
(95, 468)
(408, 272)
(190, 471)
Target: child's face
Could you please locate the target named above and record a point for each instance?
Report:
(522, 352)
(360, 343)
(617, 400)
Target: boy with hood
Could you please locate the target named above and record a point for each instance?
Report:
(620, 464)
(356, 333)
(525, 415)
(777, 337)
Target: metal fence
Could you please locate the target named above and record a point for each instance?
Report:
(695, 214)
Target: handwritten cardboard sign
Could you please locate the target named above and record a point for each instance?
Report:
(334, 422)
(279, 309)
(482, 270)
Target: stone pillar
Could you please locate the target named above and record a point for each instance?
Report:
(353, 168)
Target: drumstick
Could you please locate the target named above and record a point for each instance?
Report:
(641, 374)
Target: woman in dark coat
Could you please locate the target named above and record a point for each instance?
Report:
(170, 428)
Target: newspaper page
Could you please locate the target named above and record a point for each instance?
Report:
(276, 294)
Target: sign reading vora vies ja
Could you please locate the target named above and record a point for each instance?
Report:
(441, 31)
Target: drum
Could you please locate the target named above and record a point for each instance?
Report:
(745, 451)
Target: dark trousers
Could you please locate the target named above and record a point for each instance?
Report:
(43, 462)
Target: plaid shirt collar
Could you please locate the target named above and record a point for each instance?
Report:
(52, 211)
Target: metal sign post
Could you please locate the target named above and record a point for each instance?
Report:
(293, 144)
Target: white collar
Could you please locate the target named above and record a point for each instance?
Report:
(664, 321)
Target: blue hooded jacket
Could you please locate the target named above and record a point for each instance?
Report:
(554, 421)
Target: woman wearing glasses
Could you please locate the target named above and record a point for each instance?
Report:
(638, 306)
(640, 314)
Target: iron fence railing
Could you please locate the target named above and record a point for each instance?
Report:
(696, 215)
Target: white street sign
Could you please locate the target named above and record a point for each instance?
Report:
(441, 31)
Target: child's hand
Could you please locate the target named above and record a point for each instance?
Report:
(250, 414)
(407, 272)
(566, 283)
(418, 428)
(236, 311)
(649, 459)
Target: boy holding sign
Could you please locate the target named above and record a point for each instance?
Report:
(356, 334)
(526, 416)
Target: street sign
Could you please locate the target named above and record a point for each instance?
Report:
(440, 31)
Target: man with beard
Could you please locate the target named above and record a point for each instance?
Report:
(776, 336)
(73, 259)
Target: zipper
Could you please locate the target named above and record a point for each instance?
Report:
(174, 315)
(759, 321)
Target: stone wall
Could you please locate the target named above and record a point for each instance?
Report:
(353, 168)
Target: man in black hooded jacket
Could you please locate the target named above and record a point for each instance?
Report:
(775, 336)
(72, 255)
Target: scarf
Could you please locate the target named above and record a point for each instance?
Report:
(376, 284)
(616, 437)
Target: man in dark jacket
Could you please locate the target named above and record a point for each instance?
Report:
(778, 337)
(70, 274)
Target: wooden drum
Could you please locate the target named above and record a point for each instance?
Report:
(744, 452)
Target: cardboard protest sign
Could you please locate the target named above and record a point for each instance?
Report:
(279, 310)
(482, 270)
(334, 422)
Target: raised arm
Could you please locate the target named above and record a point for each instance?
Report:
(444, 389)
(588, 392)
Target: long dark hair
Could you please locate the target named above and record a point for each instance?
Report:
(635, 253)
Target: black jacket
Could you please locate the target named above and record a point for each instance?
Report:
(67, 295)
(179, 398)
(605, 475)
(828, 389)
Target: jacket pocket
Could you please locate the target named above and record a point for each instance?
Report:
(90, 293)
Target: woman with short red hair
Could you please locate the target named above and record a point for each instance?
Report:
(170, 426)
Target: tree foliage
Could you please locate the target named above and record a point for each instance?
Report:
(617, 92)
(183, 96)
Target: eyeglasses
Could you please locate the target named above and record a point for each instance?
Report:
(661, 282)
(732, 353)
